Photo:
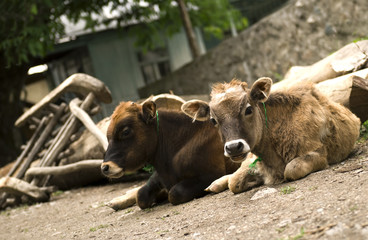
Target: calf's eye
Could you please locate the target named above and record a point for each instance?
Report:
(126, 132)
(248, 110)
(213, 121)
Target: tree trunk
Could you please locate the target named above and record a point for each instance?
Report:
(350, 91)
(11, 82)
(188, 29)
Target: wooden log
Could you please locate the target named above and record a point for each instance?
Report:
(53, 107)
(18, 187)
(79, 83)
(35, 120)
(55, 131)
(41, 140)
(88, 122)
(350, 58)
(87, 146)
(350, 91)
(63, 137)
(30, 144)
(95, 110)
(292, 82)
(65, 117)
(84, 165)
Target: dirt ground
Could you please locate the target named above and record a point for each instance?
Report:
(330, 204)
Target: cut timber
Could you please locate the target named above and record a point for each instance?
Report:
(88, 122)
(350, 58)
(87, 146)
(19, 188)
(85, 165)
(350, 91)
(79, 83)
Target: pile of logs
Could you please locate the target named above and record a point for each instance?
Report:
(342, 76)
(55, 127)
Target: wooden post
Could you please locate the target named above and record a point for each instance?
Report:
(188, 29)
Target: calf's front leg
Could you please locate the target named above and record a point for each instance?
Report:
(301, 166)
(152, 192)
(188, 189)
(125, 201)
(245, 178)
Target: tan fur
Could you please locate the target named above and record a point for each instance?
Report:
(305, 131)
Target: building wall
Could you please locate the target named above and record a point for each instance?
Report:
(113, 59)
(114, 62)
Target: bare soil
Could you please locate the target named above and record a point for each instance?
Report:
(330, 204)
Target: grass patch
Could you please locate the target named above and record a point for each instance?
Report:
(149, 168)
(148, 210)
(360, 39)
(94, 229)
(57, 193)
(5, 213)
(281, 229)
(175, 213)
(287, 189)
(363, 132)
(129, 211)
(353, 208)
(296, 237)
(278, 76)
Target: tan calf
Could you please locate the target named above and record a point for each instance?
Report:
(294, 132)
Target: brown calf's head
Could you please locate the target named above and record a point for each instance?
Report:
(132, 138)
(236, 111)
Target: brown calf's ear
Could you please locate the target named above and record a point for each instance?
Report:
(261, 89)
(149, 111)
(197, 110)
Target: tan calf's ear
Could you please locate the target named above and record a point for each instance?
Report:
(261, 89)
(149, 111)
(197, 110)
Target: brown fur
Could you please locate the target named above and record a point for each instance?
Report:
(305, 131)
(187, 156)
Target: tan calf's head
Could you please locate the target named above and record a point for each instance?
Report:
(237, 112)
(132, 138)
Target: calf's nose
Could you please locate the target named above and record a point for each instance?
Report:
(105, 168)
(236, 147)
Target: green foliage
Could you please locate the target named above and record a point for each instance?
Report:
(57, 193)
(94, 229)
(287, 189)
(300, 235)
(360, 39)
(364, 131)
(149, 168)
(30, 28)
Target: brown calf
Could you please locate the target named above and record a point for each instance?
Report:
(187, 156)
(294, 132)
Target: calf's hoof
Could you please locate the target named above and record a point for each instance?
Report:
(219, 185)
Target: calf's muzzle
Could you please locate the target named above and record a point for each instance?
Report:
(236, 149)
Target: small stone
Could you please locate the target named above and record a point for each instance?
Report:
(263, 193)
